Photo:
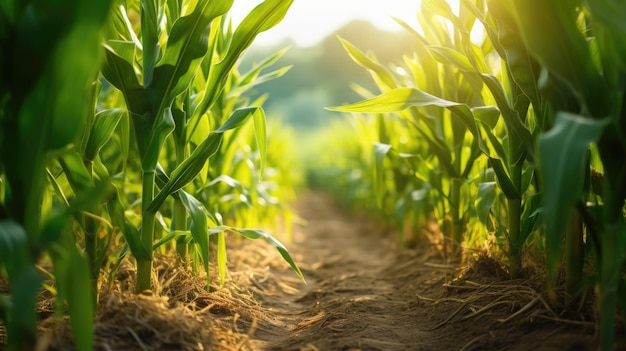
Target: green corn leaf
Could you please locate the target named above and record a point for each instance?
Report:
(47, 110)
(221, 257)
(452, 57)
(133, 239)
(150, 33)
(402, 98)
(25, 289)
(528, 174)
(263, 17)
(562, 153)
(72, 279)
(489, 115)
(76, 172)
(412, 30)
(200, 222)
(470, 62)
(610, 12)
(392, 101)
(187, 44)
(511, 117)
(442, 8)
(610, 32)
(260, 133)
(253, 77)
(104, 124)
(237, 119)
(14, 255)
(380, 73)
(485, 199)
(80, 304)
(73, 95)
(87, 197)
(174, 8)
(124, 49)
(250, 77)
(160, 131)
(254, 234)
(551, 34)
(96, 89)
(188, 170)
(123, 24)
(125, 140)
(522, 67)
(57, 188)
(100, 170)
(531, 219)
(380, 153)
(430, 11)
(496, 144)
(190, 203)
(474, 153)
(121, 74)
(505, 182)
(558, 93)
(173, 235)
(440, 149)
(232, 183)
(129, 230)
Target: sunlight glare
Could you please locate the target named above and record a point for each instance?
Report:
(310, 21)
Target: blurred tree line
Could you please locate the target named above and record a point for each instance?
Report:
(321, 75)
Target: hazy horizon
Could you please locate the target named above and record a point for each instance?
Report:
(308, 22)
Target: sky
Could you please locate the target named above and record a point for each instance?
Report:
(309, 21)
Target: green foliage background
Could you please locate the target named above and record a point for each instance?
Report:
(321, 75)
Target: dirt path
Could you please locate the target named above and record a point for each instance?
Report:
(364, 294)
(349, 303)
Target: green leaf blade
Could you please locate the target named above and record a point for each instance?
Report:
(254, 234)
(562, 154)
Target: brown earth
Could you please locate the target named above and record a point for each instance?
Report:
(362, 293)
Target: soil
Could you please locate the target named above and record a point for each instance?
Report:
(361, 293)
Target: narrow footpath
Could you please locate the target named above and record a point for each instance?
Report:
(363, 293)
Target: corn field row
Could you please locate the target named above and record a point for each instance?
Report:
(126, 129)
(506, 126)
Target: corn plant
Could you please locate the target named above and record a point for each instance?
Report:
(562, 92)
(167, 92)
(454, 144)
(585, 51)
(166, 67)
(508, 148)
(341, 170)
(44, 98)
(234, 182)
